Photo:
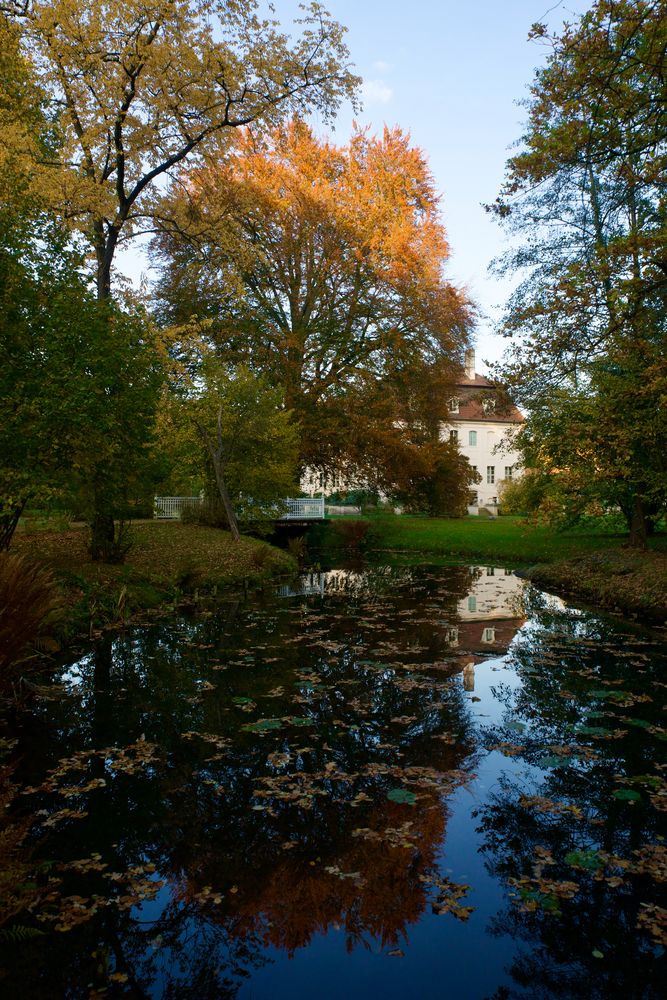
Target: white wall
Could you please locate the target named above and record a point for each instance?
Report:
(492, 449)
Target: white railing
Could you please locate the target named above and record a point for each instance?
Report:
(304, 508)
(298, 508)
(172, 507)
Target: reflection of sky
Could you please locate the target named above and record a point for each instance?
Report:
(381, 709)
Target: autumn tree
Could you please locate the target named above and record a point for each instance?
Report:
(586, 197)
(139, 86)
(322, 267)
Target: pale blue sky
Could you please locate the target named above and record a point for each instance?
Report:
(450, 73)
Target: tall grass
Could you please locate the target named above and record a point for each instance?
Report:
(29, 602)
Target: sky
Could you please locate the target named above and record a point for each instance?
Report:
(452, 74)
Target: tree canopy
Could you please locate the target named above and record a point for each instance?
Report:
(138, 86)
(322, 267)
(586, 197)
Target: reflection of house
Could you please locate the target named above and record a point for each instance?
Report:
(482, 428)
(488, 619)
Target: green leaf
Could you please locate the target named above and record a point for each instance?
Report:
(262, 726)
(551, 760)
(402, 795)
(588, 860)
(627, 794)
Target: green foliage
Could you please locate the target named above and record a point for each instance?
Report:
(79, 381)
(243, 416)
(586, 198)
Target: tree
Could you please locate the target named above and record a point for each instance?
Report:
(587, 196)
(249, 453)
(63, 357)
(139, 86)
(320, 266)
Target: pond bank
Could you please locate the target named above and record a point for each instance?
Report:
(620, 580)
(167, 562)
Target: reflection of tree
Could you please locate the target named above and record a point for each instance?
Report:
(578, 842)
(353, 689)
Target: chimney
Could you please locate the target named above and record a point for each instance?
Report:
(469, 364)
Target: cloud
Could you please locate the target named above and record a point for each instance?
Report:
(382, 67)
(376, 92)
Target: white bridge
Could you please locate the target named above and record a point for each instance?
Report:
(298, 508)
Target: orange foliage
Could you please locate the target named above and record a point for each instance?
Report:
(323, 264)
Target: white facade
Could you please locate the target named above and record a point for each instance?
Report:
(484, 436)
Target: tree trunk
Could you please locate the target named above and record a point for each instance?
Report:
(103, 529)
(638, 533)
(216, 452)
(226, 502)
(8, 524)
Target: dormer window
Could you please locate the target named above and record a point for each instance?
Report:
(453, 405)
(489, 405)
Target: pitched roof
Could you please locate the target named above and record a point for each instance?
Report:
(471, 393)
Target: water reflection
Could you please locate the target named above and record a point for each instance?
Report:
(219, 793)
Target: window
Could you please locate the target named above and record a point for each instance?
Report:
(490, 473)
(453, 405)
(453, 435)
(453, 636)
(489, 405)
(490, 571)
(489, 635)
(508, 471)
(474, 468)
(472, 437)
(472, 604)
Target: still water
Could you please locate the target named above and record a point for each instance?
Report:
(385, 783)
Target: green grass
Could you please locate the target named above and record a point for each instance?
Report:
(501, 541)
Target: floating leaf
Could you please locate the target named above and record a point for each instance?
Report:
(402, 795)
(551, 760)
(515, 726)
(627, 794)
(262, 726)
(588, 860)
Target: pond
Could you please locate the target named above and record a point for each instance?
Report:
(407, 782)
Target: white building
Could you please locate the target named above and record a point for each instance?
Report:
(483, 427)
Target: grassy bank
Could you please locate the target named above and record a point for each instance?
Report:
(620, 580)
(167, 561)
(499, 540)
(589, 564)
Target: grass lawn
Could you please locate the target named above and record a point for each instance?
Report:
(502, 540)
(167, 559)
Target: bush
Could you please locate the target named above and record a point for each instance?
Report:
(29, 602)
(209, 513)
(349, 534)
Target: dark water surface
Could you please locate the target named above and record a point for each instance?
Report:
(389, 783)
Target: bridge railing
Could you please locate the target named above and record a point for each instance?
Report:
(172, 507)
(298, 508)
(304, 508)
